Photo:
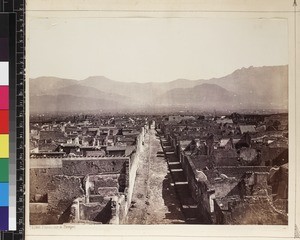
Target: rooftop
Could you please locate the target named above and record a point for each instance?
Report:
(247, 128)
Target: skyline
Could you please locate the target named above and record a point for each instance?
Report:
(156, 82)
(153, 49)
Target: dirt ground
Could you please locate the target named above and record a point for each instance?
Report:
(154, 200)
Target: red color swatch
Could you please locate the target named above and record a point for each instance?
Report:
(4, 97)
(4, 121)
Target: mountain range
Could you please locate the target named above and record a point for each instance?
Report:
(247, 88)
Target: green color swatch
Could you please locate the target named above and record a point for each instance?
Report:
(4, 170)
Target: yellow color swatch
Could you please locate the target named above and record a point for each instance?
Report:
(4, 146)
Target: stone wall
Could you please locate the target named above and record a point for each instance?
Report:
(97, 212)
(83, 167)
(198, 189)
(125, 200)
(39, 182)
(255, 211)
(73, 189)
(45, 163)
(59, 187)
(97, 183)
(61, 192)
(40, 178)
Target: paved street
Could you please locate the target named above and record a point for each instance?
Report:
(154, 199)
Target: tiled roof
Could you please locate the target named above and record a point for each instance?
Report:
(53, 135)
(248, 154)
(95, 153)
(223, 121)
(247, 128)
(223, 142)
(116, 148)
(47, 147)
(227, 161)
(221, 153)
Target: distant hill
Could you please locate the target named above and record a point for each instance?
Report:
(69, 103)
(45, 85)
(253, 87)
(265, 85)
(204, 94)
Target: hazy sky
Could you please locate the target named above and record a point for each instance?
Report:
(153, 49)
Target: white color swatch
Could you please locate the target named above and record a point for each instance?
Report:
(4, 74)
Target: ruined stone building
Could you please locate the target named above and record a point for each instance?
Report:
(83, 184)
(233, 179)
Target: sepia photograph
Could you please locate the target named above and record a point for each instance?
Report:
(157, 120)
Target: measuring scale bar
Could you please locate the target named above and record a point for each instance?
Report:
(7, 122)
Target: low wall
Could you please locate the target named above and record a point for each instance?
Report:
(45, 163)
(198, 189)
(83, 167)
(134, 164)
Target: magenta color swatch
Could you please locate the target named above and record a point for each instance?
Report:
(4, 97)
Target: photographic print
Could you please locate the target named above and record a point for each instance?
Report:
(157, 120)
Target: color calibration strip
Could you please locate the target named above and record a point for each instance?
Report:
(12, 50)
(7, 75)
